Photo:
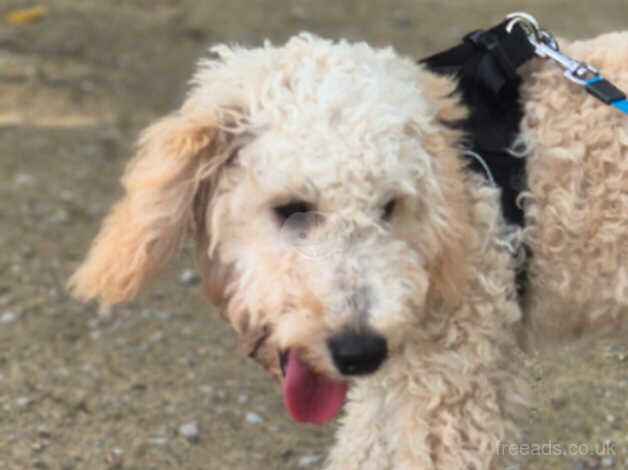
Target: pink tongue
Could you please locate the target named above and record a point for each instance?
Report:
(309, 396)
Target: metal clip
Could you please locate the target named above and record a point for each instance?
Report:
(545, 46)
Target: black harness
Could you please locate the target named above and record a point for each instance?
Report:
(485, 64)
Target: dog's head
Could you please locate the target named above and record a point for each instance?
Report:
(326, 197)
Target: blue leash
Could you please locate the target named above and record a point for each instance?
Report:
(622, 105)
(607, 92)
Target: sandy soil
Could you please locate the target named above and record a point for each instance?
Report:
(159, 384)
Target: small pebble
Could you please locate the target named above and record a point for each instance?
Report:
(610, 419)
(608, 462)
(55, 293)
(158, 440)
(401, 17)
(43, 432)
(613, 348)
(39, 446)
(243, 398)
(24, 179)
(558, 402)
(164, 315)
(308, 460)
(60, 217)
(189, 278)
(253, 418)
(66, 195)
(24, 401)
(9, 317)
(298, 12)
(190, 431)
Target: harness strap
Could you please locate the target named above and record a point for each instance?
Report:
(485, 65)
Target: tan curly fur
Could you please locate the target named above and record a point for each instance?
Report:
(577, 207)
(347, 127)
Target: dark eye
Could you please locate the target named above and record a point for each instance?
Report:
(285, 211)
(389, 208)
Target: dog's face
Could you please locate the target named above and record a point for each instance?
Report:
(326, 198)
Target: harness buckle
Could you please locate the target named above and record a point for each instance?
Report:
(546, 46)
(576, 71)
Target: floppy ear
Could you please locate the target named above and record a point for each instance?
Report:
(441, 92)
(145, 229)
(444, 143)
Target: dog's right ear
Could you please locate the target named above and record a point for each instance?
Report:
(145, 229)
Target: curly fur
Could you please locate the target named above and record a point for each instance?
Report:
(577, 207)
(347, 127)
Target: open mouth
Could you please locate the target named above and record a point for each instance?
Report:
(310, 397)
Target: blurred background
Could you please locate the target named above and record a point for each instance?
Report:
(159, 384)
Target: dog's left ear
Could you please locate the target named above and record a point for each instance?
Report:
(441, 92)
(146, 227)
(443, 142)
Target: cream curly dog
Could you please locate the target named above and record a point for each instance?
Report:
(404, 299)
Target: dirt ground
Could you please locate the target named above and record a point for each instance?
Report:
(159, 384)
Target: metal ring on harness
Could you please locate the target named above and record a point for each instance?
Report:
(526, 21)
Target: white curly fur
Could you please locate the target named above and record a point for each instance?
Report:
(347, 128)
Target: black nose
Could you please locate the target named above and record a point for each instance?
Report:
(357, 353)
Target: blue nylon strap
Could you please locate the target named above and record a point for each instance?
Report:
(622, 105)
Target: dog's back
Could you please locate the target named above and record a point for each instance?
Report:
(577, 207)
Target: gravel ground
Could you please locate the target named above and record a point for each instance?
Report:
(159, 384)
